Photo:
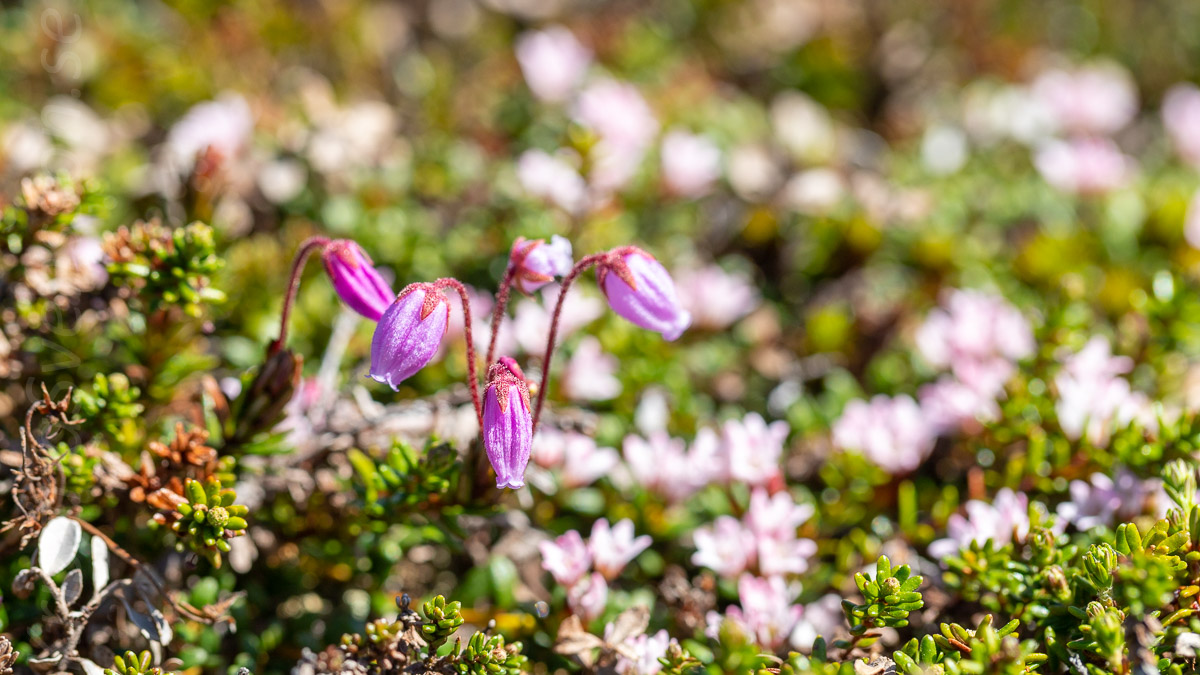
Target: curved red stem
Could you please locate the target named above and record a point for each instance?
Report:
(579, 268)
(306, 248)
(498, 311)
(472, 373)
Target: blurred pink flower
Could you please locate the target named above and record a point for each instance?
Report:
(530, 324)
(776, 516)
(726, 547)
(947, 404)
(1004, 520)
(481, 316)
(590, 374)
(690, 163)
(774, 520)
(784, 555)
(1084, 166)
(1097, 98)
(553, 179)
(639, 655)
(707, 461)
(613, 547)
(583, 462)
(1102, 500)
(714, 297)
(81, 260)
(1191, 223)
(1181, 117)
(549, 447)
(977, 336)
(1093, 398)
(766, 539)
(891, 432)
(766, 615)
(553, 62)
(567, 558)
(617, 113)
(753, 449)
(661, 464)
(588, 597)
(224, 125)
(625, 125)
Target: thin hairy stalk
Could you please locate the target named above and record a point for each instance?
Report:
(472, 374)
(498, 312)
(579, 268)
(306, 248)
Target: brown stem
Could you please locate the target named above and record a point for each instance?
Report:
(306, 248)
(498, 311)
(579, 268)
(472, 374)
(183, 609)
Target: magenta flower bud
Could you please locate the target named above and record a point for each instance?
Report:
(538, 263)
(409, 334)
(507, 424)
(356, 280)
(639, 288)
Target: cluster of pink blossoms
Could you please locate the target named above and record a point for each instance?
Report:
(747, 451)
(1088, 104)
(639, 655)
(1093, 398)
(579, 461)
(1004, 520)
(569, 560)
(765, 616)
(555, 66)
(763, 541)
(1103, 500)
(977, 338)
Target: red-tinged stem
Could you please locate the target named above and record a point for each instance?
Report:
(579, 268)
(472, 373)
(306, 248)
(498, 312)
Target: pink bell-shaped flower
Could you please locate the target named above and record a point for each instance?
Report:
(355, 279)
(507, 423)
(537, 263)
(639, 288)
(409, 334)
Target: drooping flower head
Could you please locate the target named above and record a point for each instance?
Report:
(356, 280)
(507, 423)
(537, 263)
(639, 288)
(408, 334)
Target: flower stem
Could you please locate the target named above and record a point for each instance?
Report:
(306, 248)
(472, 374)
(498, 312)
(579, 268)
